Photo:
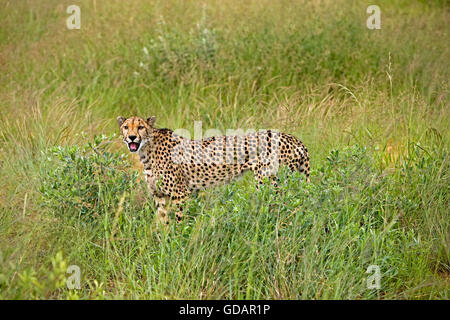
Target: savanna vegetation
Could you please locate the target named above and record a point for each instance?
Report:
(372, 106)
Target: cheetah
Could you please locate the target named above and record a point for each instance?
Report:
(175, 167)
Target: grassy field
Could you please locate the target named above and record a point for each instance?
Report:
(372, 106)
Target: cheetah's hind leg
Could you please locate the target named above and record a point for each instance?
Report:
(265, 172)
(301, 166)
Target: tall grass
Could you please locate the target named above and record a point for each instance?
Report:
(371, 106)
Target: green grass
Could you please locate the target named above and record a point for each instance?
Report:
(372, 107)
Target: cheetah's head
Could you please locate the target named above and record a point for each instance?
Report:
(136, 132)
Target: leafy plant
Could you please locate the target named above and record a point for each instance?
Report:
(85, 180)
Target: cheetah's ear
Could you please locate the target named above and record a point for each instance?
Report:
(120, 120)
(151, 121)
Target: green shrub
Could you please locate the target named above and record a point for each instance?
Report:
(85, 180)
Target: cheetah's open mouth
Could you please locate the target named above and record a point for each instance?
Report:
(133, 146)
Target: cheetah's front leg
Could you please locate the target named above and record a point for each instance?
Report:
(179, 193)
(178, 203)
(161, 209)
(171, 193)
(164, 206)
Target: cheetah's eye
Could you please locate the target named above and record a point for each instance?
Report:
(125, 127)
(140, 127)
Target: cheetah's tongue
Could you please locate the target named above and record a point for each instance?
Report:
(133, 146)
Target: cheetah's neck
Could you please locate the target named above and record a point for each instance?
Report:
(146, 155)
